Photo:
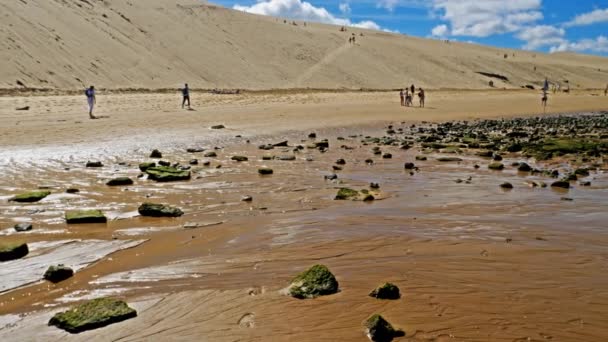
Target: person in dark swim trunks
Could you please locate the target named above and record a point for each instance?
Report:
(186, 96)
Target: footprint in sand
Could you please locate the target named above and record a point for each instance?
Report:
(247, 320)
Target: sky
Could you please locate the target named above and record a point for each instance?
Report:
(540, 25)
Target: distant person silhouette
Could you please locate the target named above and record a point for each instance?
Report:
(402, 96)
(421, 97)
(91, 100)
(186, 96)
(606, 90)
(413, 89)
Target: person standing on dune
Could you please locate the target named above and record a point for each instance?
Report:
(186, 96)
(606, 90)
(91, 100)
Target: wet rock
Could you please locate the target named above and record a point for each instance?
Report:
(94, 164)
(523, 167)
(421, 158)
(314, 282)
(312, 135)
(496, 166)
(380, 330)
(218, 127)
(333, 176)
(167, 174)
(341, 161)
(506, 185)
(85, 216)
(30, 197)
(287, 158)
(374, 186)
(156, 154)
(582, 172)
(193, 162)
(93, 314)
(239, 158)
(72, 191)
(387, 156)
(267, 157)
(195, 150)
(485, 154)
(12, 251)
(449, 159)
(120, 181)
(386, 291)
(409, 166)
(265, 171)
(281, 144)
(347, 194)
(58, 273)
(159, 210)
(336, 168)
(164, 163)
(210, 154)
(561, 184)
(497, 157)
(585, 183)
(23, 227)
(246, 198)
(369, 161)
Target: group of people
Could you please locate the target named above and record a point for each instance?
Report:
(407, 96)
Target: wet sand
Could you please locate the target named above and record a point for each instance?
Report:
(474, 262)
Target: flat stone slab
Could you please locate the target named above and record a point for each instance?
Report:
(93, 314)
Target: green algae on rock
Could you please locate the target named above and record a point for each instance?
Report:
(30, 197)
(93, 314)
(85, 216)
(58, 273)
(386, 291)
(379, 329)
(347, 194)
(159, 210)
(167, 174)
(314, 282)
(12, 251)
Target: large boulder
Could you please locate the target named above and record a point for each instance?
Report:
(386, 291)
(85, 216)
(120, 181)
(93, 314)
(30, 197)
(159, 210)
(314, 282)
(58, 273)
(167, 174)
(380, 330)
(12, 251)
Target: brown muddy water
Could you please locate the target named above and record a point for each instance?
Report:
(474, 262)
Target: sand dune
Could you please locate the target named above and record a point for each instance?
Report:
(163, 43)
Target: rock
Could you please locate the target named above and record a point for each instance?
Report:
(239, 158)
(585, 183)
(193, 162)
(314, 282)
(218, 127)
(476, 166)
(312, 135)
(421, 158)
(94, 164)
(159, 210)
(195, 150)
(341, 162)
(387, 156)
(347, 194)
(266, 147)
(497, 157)
(120, 181)
(246, 198)
(167, 174)
(368, 198)
(281, 144)
(164, 163)
(190, 225)
(85, 216)
(287, 158)
(333, 176)
(582, 172)
(485, 154)
(568, 199)
(374, 186)
(58, 273)
(379, 330)
(571, 177)
(23, 108)
(523, 167)
(267, 157)
(23, 227)
(144, 166)
(210, 154)
(496, 166)
(386, 291)
(30, 197)
(72, 191)
(369, 161)
(506, 185)
(336, 168)
(561, 184)
(156, 154)
(449, 159)
(12, 251)
(93, 314)
(265, 171)
(409, 166)
(206, 163)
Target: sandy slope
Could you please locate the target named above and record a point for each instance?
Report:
(162, 43)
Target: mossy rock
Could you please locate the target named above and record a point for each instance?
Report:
(434, 145)
(421, 158)
(93, 314)
(314, 282)
(120, 181)
(347, 194)
(12, 251)
(379, 329)
(386, 291)
(550, 148)
(58, 273)
(159, 210)
(582, 172)
(449, 159)
(167, 174)
(496, 166)
(265, 171)
(451, 149)
(156, 154)
(210, 154)
(240, 158)
(523, 167)
(485, 154)
(144, 166)
(30, 197)
(571, 177)
(506, 185)
(267, 157)
(563, 184)
(94, 164)
(85, 216)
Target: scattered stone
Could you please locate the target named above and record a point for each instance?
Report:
(368, 198)
(369, 161)
(120, 181)
(85, 216)
(341, 162)
(12, 251)
(485, 154)
(239, 158)
(144, 166)
(164, 163)
(374, 186)
(58, 273)
(267, 157)
(195, 150)
(72, 191)
(281, 144)
(449, 159)
(323, 144)
(314, 282)
(193, 162)
(476, 166)
(210, 154)
(218, 127)
(246, 198)
(496, 166)
(312, 135)
(379, 330)
(23, 227)
(587, 183)
(94, 164)
(582, 172)
(333, 176)
(421, 158)
(409, 166)
(386, 291)
(287, 158)
(266, 147)
(265, 171)
(93, 314)
(387, 156)
(568, 199)
(336, 168)
(156, 154)
(347, 194)
(523, 167)
(561, 184)
(30, 197)
(497, 157)
(206, 163)
(506, 185)
(167, 174)
(23, 108)
(159, 210)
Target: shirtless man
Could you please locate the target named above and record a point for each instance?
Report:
(421, 97)
(91, 100)
(186, 95)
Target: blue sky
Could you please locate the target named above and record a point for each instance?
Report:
(541, 25)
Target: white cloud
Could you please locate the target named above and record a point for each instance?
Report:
(302, 10)
(440, 31)
(597, 16)
(388, 4)
(479, 18)
(598, 45)
(344, 8)
(542, 35)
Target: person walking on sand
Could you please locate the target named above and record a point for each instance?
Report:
(186, 96)
(402, 96)
(408, 98)
(421, 97)
(544, 99)
(413, 90)
(91, 100)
